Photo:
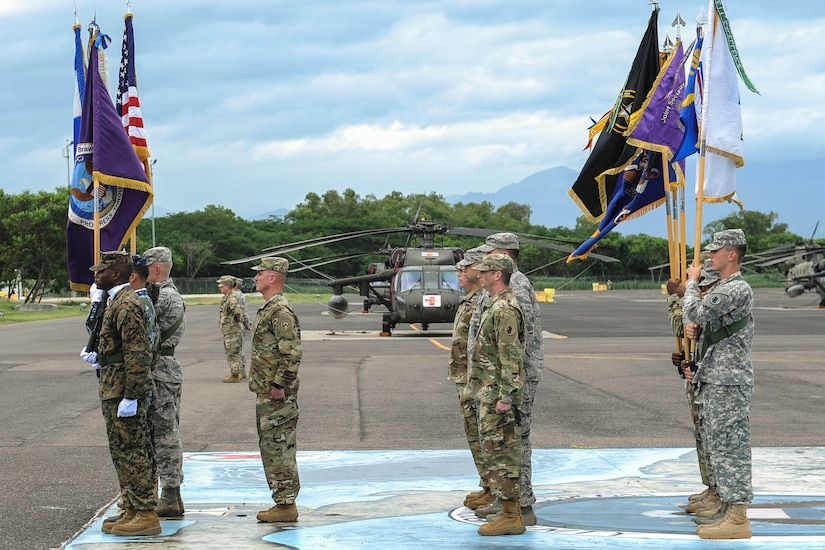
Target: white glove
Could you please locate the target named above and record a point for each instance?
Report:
(127, 407)
(90, 357)
(96, 294)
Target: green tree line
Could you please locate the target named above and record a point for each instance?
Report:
(32, 236)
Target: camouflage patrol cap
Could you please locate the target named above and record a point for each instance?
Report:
(158, 254)
(226, 280)
(472, 256)
(238, 281)
(496, 262)
(503, 241)
(708, 274)
(139, 260)
(728, 237)
(111, 259)
(281, 265)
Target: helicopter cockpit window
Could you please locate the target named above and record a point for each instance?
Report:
(411, 279)
(449, 279)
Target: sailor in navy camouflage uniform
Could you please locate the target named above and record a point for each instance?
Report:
(724, 378)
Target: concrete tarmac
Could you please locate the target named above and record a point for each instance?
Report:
(608, 384)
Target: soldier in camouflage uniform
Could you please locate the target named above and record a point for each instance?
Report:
(126, 388)
(247, 324)
(168, 375)
(457, 367)
(496, 381)
(273, 377)
(724, 378)
(507, 243)
(231, 325)
(676, 291)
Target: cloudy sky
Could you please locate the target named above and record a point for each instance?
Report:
(253, 104)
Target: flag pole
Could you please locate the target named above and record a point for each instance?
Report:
(94, 32)
(700, 175)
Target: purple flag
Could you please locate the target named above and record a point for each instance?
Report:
(105, 155)
(658, 128)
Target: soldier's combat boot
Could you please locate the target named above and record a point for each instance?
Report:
(489, 509)
(509, 522)
(710, 509)
(710, 500)
(232, 378)
(710, 520)
(474, 495)
(699, 496)
(528, 516)
(125, 516)
(735, 525)
(279, 512)
(170, 504)
(144, 523)
(485, 499)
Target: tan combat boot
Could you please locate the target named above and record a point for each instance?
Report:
(735, 525)
(509, 522)
(109, 523)
(279, 512)
(489, 509)
(474, 495)
(485, 499)
(699, 496)
(232, 378)
(170, 504)
(711, 500)
(144, 523)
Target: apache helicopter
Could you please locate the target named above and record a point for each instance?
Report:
(805, 268)
(416, 284)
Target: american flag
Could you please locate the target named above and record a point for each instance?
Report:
(128, 103)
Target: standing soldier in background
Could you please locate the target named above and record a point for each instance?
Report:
(724, 379)
(697, 502)
(247, 324)
(126, 389)
(507, 243)
(168, 375)
(457, 368)
(231, 325)
(496, 381)
(273, 377)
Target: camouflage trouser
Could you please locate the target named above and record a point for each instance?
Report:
(165, 417)
(525, 417)
(705, 468)
(501, 449)
(233, 347)
(129, 444)
(469, 415)
(277, 427)
(724, 412)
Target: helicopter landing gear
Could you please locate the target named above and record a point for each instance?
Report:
(386, 326)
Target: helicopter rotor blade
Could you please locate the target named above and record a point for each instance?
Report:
(476, 232)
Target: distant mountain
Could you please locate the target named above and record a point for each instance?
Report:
(792, 189)
(280, 213)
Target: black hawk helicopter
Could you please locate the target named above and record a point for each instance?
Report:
(416, 284)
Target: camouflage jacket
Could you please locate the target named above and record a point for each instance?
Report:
(457, 367)
(674, 315)
(168, 309)
(276, 347)
(497, 370)
(728, 361)
(247, 324)
(151, 323)
(534, 339)
(124, 340)
(231, 320)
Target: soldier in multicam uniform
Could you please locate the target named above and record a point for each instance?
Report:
(231, 325)
(247, 324)
(496, 381)
(724, 378)
(273, 377)
(698, 503)
(126, 388)
(168, 375)
(507, 243)
(457, 367)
